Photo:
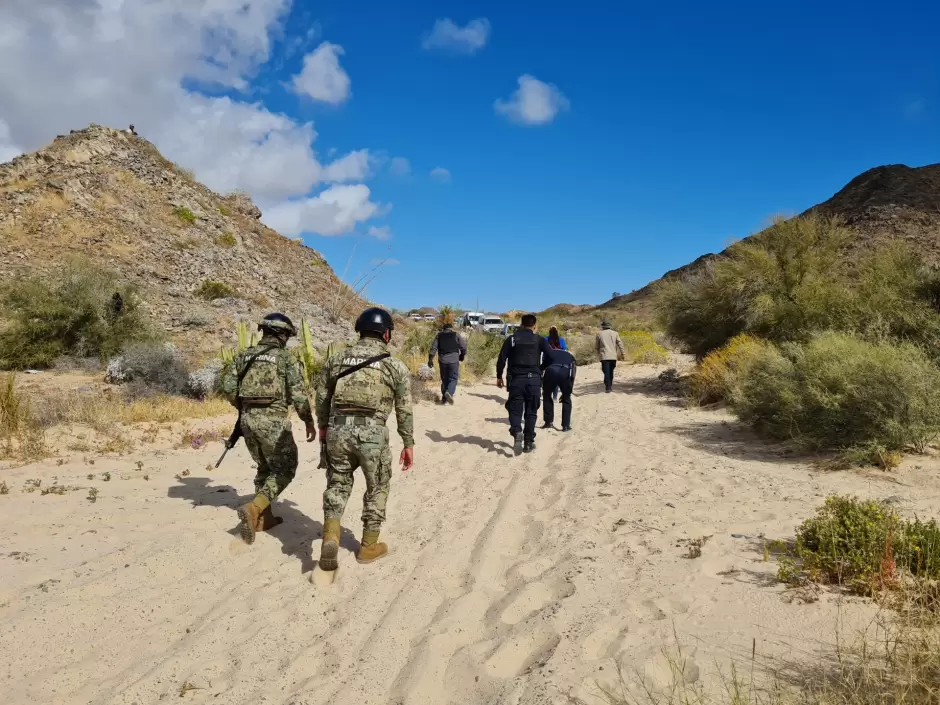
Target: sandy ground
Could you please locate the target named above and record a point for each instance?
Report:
(511, 580)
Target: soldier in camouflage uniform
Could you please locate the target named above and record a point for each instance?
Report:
(351, 411)
(269, 386)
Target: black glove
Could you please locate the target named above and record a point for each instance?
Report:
(461, 358)
(431, 362)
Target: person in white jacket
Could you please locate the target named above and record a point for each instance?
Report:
(609, 349)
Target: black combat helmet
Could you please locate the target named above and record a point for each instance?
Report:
(277, 324)
(375, 320)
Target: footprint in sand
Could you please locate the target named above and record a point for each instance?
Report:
(523, 650)
(534, 597)
(323, 578)
(605, 642)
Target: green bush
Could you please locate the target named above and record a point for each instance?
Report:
(184, 214)
(212, 290)
(226, 239)
(75, 315)
(838, 391)
(782, 284)
(482, 351)
(864, 546)
(717, 377)
(582, 347)
(641, 348)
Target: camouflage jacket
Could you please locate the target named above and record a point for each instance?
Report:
(275, 367)
(374, 389)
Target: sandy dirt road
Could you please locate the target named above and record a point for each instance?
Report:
(511, 580)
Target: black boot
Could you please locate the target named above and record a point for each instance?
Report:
(517, 444)
(528, 447)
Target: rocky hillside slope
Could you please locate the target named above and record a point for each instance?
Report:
(201, 260)
(894, 201)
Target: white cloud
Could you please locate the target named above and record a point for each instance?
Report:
(379, 232)
(440, 174)
(400, 167)
(335, 211)
(446, 34)
(64, 65)
(322, 77)
(533, 103)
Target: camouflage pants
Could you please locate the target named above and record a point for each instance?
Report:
(351, 447)
(271, 443)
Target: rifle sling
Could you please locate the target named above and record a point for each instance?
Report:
(356, 368)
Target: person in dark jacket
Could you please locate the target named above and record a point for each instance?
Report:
(555, 342)
(558, 372)
(451, 348)
(522, 352)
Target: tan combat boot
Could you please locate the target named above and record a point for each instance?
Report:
(370, 549)
(329, 548)
(249, 514)
(268, 521)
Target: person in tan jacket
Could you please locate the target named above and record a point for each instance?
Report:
(609, 349)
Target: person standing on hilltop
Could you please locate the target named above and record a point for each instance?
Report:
(263, 382)
(451, 347)
(609, 349)
(357, 389)
(523, 352)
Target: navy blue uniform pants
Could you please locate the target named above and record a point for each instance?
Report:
(525, 396)
(450, 373)
(557, 377)
(608, 367)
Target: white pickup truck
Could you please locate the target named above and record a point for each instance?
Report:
(492, 324)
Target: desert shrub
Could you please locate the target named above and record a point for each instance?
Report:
(718, 375)
(20, 433)
(482, 351)
(226, 239)
(205, 382)
(225, 210)
(71, 363)
(416, 346)
(582, 347)
(212, 290)
(74, 314)
(864, 546)
(150, 369)
(184, 214)
(783, 284)
(197, 319)
(838, 391)
(640, 347)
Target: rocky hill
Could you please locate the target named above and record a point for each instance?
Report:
(200, 260)
(894, 201)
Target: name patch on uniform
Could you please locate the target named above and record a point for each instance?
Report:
(350, 361)
(265, 358)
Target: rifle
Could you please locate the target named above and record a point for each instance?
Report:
(237, 431)
(332, 390)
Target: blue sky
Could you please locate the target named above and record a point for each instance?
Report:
(687, 124)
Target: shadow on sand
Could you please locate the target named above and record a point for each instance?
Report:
(490, 446)
(296, 534)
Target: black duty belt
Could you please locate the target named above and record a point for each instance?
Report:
(525, 374)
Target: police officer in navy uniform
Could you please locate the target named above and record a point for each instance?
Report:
(522, 352)
(558, 371)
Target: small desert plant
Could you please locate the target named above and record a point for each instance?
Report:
(212, 290)
(482, 351)
(151, 368)
(93, 494)
(864, 546)
(716, 377)
(225, 211)
(20, 433)
(226, 239)
(640, 347)
(840, 392)
(184, 214)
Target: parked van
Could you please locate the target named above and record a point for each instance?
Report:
(472, 319)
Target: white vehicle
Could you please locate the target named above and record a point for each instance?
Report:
(492, 324)
(415, 316)
(430, 317)
(510, 328)
(472, 319)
